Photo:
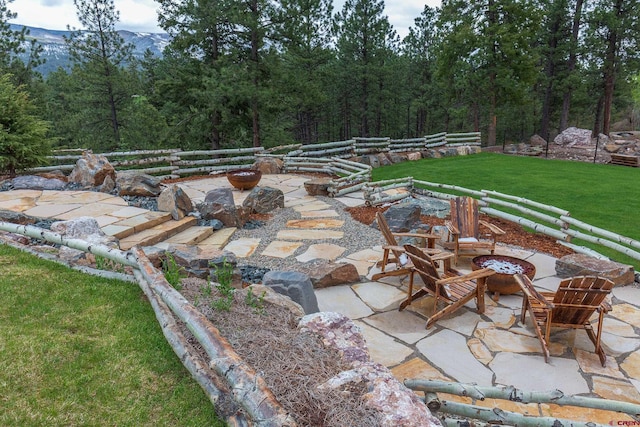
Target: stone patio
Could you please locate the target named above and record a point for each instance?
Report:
(489, 349)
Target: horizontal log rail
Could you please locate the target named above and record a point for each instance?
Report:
(515, 395)
(196, 161)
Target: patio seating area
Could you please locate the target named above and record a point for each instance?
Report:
(488, 348)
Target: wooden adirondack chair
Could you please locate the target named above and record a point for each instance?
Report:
(399, 258)
(571, 306)
(465, 228)
(451, 289)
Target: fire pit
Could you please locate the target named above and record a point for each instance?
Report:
(244, 179)
(505, 267)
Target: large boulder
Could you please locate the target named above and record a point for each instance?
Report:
(403, 217)
(323, 273)
(174, 200)
(537, 141)
(585, 265)
(138, 184)
(429, 206)
(371, 160)
(219, 204)
(199, 261)
(82, 228)
(273, 297)
(397, 157)
(413, 156)
(34, 182)
(318, 186)
(573, 136)
(264, 200)
(295, 285)
(268, 165)
(91, 170)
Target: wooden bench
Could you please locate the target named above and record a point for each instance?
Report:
(625, 160)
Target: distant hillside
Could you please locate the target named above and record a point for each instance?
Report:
(56, 54)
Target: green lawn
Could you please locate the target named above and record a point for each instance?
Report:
(81, 350)
(605, 196)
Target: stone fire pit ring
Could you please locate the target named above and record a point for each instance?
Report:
(505, 267)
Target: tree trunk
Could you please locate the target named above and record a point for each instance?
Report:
(216, 120)
(571, 66)
(491, 132)
(610, 69)
(255, 44)
(216, 115)
(597, 123)
(550, 75)
(492, 129)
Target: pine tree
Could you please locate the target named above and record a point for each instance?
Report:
(23, 136)
(366, 44)
(14, 43)
(99, 53)
(305, 38)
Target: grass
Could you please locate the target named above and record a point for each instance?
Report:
(82, 350)
(605, 196)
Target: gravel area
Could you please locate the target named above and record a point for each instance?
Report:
(357, 237)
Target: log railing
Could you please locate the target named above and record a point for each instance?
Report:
(498, 416)
(176, 163)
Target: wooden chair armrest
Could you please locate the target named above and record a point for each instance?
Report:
(530, 292)
(422, 235)
(441, 255)
(474, 275)
(605, 307)
(393, 248)
(493, 228)
(452, 228)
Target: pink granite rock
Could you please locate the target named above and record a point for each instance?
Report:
(395, 403)
(91, 170)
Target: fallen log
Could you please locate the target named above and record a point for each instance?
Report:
(215, 389)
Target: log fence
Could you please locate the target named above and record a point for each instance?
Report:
(176, 163)
(498, 416)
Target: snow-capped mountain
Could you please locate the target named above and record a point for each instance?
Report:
(56, 54)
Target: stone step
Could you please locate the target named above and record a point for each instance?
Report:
(159, 233)
(219, 238)
(136, 224)
(191, 236)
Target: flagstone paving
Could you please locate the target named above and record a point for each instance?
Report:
(494, 348)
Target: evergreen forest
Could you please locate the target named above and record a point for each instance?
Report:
(241, 73)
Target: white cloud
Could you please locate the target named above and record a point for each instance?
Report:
(135, 15)
(141, 15)
(401, 13)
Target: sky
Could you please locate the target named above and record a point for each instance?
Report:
(141, 15)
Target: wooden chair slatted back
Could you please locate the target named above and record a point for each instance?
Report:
(426, 268)
(385, 230)
(465, 216)
(578, 297)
